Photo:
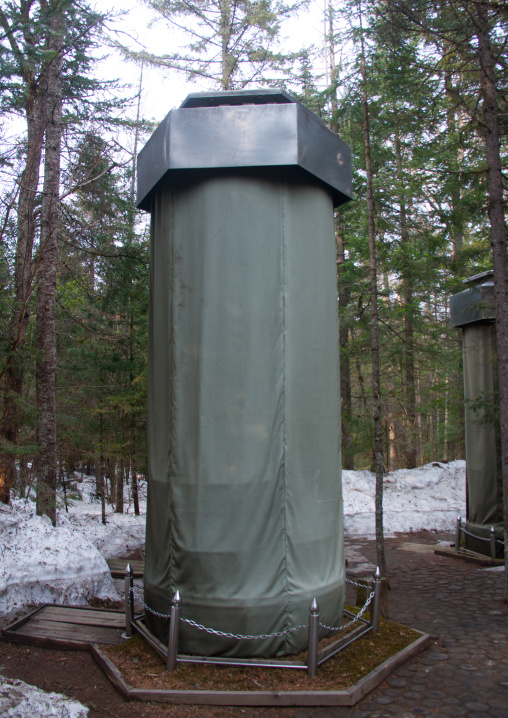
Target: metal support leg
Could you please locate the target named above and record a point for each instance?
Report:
(458, 531)
(375, 607)
(131, 604)
(492, 542)
(174, 628)
(129, 601)
(312, 651)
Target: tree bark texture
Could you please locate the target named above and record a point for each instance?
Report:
(23, 272)
(99, 486)
(457, 223)
(407, 299)
(345, 368)
(490, 117)
(46, 278)
(228, 60)
(120, 471)
(376, 393)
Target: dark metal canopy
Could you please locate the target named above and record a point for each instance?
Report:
(237, 97)
(259, 128)
(476, 303)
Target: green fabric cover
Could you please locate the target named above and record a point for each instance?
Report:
(483, 450)
(244, 502)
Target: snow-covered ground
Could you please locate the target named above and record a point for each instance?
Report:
(40, 563)
(428, 497)
(19, 700)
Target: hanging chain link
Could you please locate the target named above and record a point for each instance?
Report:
(353, 583)
(354, 620)
(480, 538)
(150, 610)
(239, 636)
(262, 636)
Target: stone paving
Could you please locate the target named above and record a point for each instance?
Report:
(465, 671)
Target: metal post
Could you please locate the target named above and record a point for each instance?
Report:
(312, 651)
(174, 628)
(458, 531)
(492, 542)
(131, 582)
(376, 600)
(129, 601)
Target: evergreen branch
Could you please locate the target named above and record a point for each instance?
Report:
(81, 185)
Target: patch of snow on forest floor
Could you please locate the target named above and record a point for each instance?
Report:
(19, 700)
(122, 534)
(66, 563)
(428, 497)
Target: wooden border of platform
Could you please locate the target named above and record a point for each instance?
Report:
(54, 625)
(469, 556)
(117, 567)
(349, 697)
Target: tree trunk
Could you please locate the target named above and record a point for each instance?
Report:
(135, 494)
(46, 282)
(23, 276)
(109, 473)
(119, 487)
(376, 393)
(407, 300)
(345, 369)
(490, 116)
(361, 383)
(99, 484)
(334, 70)
(457, 221)
(227, 59)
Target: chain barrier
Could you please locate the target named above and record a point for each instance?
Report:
(150, 610)
(480, 538)
(353, 583)
(239, 636)
(262, 636)
(336, 629)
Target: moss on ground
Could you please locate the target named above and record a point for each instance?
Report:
(142, 667)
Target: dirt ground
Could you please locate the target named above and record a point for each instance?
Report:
(76, 674)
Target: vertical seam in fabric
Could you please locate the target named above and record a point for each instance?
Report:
(284, 377)
(171, 384)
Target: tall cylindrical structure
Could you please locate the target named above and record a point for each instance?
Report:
(473, 310)
(244, 507)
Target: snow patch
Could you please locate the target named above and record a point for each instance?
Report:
(428, 497)
(19, 700)
(122, 533)
(40, 563)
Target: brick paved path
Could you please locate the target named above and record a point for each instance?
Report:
(465, 671)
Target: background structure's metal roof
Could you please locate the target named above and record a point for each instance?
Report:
(475, 304)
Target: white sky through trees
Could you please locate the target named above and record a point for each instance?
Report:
(165, 90)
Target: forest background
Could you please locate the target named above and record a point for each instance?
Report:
(417, 89)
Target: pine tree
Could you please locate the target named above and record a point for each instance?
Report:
(232, 43)
(473, 32)
(47, 271)
(40, 63)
